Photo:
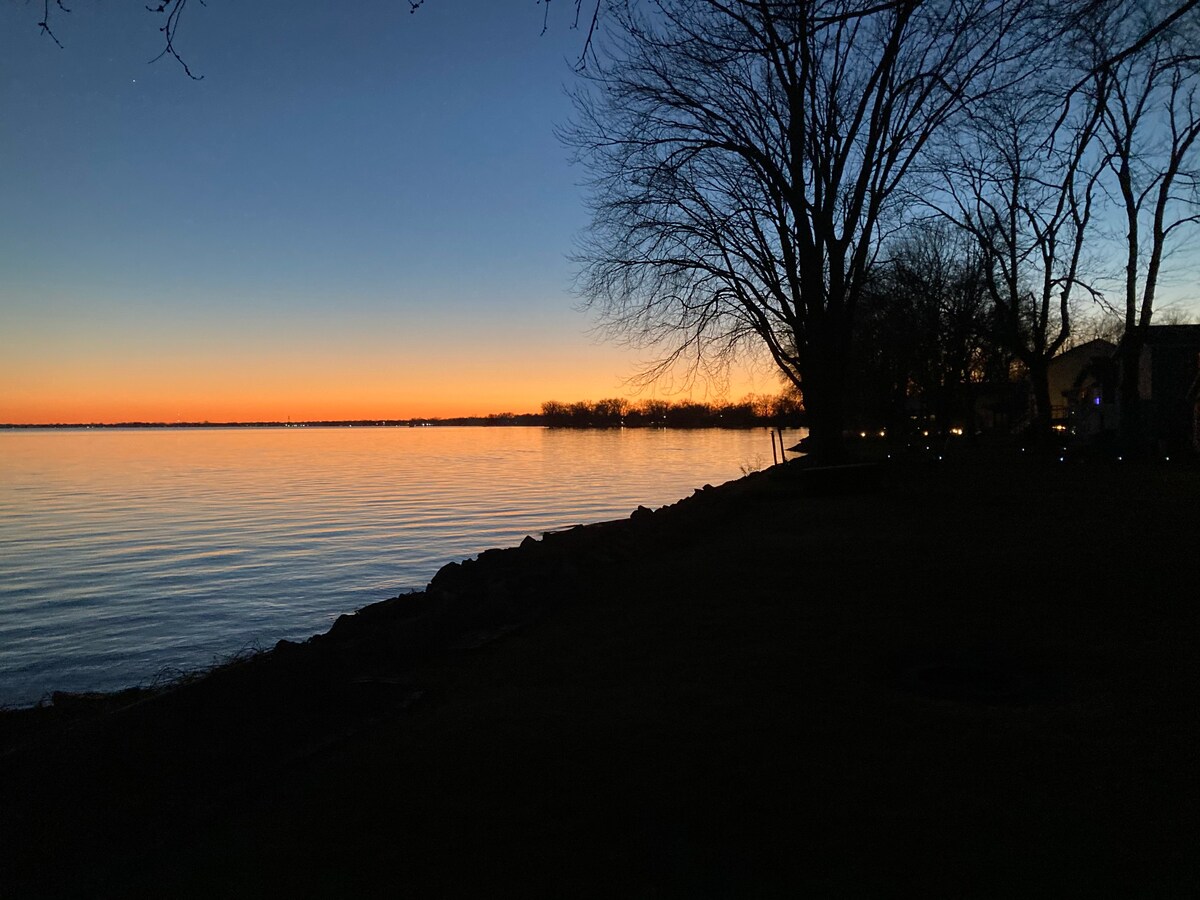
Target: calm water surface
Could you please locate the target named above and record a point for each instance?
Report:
(125, 555)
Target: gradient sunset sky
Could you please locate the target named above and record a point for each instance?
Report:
(357, 213)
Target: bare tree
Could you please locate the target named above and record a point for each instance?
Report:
(1021, 182)
(923, 336)
(586, 17)
(747, 157)
(169, 13)
(1150, 123)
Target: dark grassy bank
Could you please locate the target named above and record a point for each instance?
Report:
(968, 679)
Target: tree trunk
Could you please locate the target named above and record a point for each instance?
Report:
(825, 406)
(1040, 429)
(1132, 439)
(826, 427)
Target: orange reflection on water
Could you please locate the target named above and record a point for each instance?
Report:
(129, 550)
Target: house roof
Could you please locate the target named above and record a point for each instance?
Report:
(1086, 352)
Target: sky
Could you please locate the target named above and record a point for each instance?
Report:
(358, 213)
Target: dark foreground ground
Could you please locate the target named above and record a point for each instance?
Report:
(980, 679)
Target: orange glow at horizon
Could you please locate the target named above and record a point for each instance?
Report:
(178, 384)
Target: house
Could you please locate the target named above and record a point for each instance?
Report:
(1170, 367)
(1169, 389)
(1090, 397)
(1074, 376)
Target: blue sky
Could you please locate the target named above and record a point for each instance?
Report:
(355, 202)
(358, 212)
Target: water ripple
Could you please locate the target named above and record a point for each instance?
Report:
(126, 552)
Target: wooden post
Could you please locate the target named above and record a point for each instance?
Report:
(774, 459)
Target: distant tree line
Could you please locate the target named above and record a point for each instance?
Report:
(754, 410)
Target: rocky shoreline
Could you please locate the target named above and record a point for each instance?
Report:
(470, 602)
(864, 647)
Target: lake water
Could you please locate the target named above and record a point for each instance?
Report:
(128, 555)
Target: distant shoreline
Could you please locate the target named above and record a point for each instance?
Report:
(521, 421)
(340, 423)
(751, 412)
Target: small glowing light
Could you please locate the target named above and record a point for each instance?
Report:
(1119, 458)
(1062, 459)
(925, 433)
(939, 457)
(883, 434)
(956, 431)
(862, 434)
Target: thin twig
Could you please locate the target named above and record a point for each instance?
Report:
(44, 25)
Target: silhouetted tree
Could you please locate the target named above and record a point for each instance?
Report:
(610, 412)
(654, 412)
(616, 412)
(1150, 103)
(168, 16)
(746, 157)
(555, 413)
(1021, 181)
(170, 12)
(924, 334)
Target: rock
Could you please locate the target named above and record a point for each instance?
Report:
(343, 625)
(449, 578)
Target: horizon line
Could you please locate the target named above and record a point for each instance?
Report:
(273, 423)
